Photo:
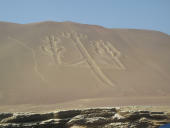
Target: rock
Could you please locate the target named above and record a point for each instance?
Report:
(53, 123)
(27, 117)
(75, 126)
(98, 110)
(77, 120)
(5, 115)
(67, 114)
(144, 123)
(96, 121)
(117, 125)
(86, 118)
(132, 116)
(118, 118)
(158, 115)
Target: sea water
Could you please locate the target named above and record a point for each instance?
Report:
(165, 126)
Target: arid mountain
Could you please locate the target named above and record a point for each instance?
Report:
(57, 62)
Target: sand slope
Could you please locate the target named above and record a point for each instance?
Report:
(56, 62)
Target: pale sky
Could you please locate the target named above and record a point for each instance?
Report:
(139, 14)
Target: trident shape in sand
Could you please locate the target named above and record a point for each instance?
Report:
(91, 62)
(52, 46)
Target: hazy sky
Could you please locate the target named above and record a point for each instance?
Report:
(143, 14)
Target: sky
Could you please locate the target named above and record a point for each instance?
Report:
(139, 14)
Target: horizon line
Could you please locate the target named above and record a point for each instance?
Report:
(74, 22)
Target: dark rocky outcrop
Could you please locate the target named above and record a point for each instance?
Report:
(5, 115)
(86, 118)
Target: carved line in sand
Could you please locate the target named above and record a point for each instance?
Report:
(106, 49)
(52, 47)
(91, 62)
(68, 35)
(33, 56)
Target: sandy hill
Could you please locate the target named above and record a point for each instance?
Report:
(60, 62)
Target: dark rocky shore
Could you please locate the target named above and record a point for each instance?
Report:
(86, 118)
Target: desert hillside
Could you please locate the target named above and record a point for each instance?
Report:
(60, 62)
